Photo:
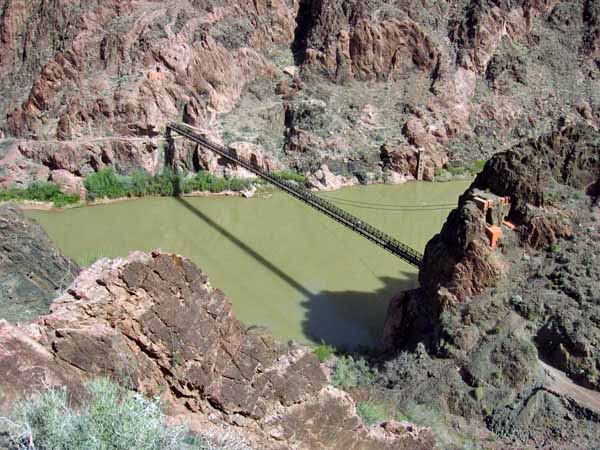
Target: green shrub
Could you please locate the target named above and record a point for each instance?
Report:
(476, 167)
(207, 182)
(40, 191)
(478, 393)
(324, 351)
(371, 413)
(139, 182)
(111, 418)
(456, 170)
(290, 176)
(350, 373)
(106, 184)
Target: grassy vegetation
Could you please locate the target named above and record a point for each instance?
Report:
(108, 184)
(469, 170)
(290, 176)
(372, 412)
(40, 191)
(350, 373)
(111, 418)
(205, 181)
(324, 351)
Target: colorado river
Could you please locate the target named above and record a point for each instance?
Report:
(282, 264)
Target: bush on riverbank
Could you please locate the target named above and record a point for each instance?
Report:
(108, 184)
(42, 192)
(207, 182)
(111, 417)
(324, 351)
(351, 373)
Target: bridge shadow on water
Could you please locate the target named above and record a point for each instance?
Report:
(345, 319)
(352, 319)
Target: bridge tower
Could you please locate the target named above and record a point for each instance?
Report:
(420, 164)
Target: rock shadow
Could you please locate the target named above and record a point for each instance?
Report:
(348, 320)
(353, 320)
(304, 22)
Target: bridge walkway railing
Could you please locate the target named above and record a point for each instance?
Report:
(376, 236)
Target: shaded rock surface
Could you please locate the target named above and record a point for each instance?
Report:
(154, 322)
(32, 270)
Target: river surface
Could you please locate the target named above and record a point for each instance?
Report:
(282, 264)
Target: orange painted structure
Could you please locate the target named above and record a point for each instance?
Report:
(494, 233)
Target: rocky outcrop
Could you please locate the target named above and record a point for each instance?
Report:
(32, 271)
(346, 44)
(324, 180)
(155, 323)
(460, 261)
(502, 328)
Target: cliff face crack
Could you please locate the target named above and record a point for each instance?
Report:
(304, 23)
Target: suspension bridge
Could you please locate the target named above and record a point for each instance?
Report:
(367, 231)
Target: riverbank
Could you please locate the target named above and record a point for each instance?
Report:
(263, 189)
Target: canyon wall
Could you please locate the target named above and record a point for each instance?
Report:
(357, 86)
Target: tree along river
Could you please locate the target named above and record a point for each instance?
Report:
(281, 263)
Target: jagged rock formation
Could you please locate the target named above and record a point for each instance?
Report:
(155, 323)
(309, 82)
(32, 270)
(516, 322)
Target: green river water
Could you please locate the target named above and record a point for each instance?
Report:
(282, 264)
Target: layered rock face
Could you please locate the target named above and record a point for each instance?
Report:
(106, 77)
(32, 270)
(155, 323)
(508, 319)
(92, 84)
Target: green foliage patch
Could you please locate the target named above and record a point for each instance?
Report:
(290, 176)
(350, 373)
(324, 351)
(111, 417)
(207, 182)
(40, 191)
(108, 184)
(371, 412)
(471, 169)
(105, 184)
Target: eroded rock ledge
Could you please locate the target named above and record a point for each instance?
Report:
(155, 323)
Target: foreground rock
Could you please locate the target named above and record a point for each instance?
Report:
(32, 271)
(155, 323)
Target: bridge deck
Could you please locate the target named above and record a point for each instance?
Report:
(376, 236)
